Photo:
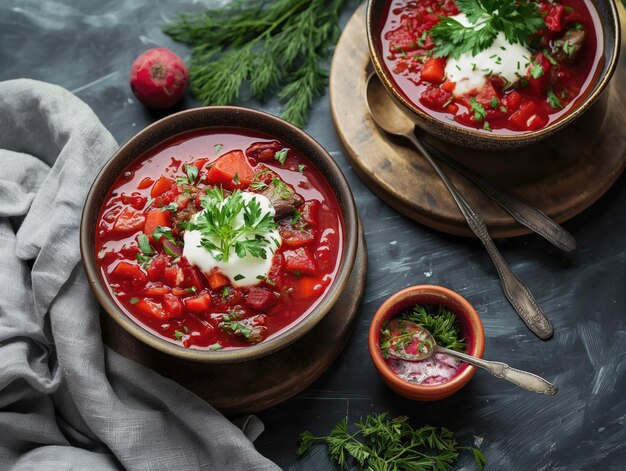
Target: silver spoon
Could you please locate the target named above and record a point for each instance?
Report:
(392, 120)
(426, 346)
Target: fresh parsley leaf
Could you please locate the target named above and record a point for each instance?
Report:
(536, 69)
(301, 168)
(479, 110)
(553, 100)
(217, 147)
(166, 232)
(296, 217)
(281, 155)
(172, 207)
(216, 346)
(178, 335)
(517, 20)
(225, 292)
(144, 244)
(258, 186)
(281, 189)
(236, 179)
(486, 126)
(134, 300)
(239, 277)
(494, 102)
(191, 174)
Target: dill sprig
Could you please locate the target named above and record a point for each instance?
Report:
(517, 20)
(276, 47)
(383, 444)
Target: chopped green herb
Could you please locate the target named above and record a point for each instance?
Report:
(258, 186)
(383, 444)
(217, 147)
(281, 189)
(301, 168)
(166, 232)
(479, 110)
(172, 207)
(281, 156)
(225, 292)
(494, 102)
(486, 126)
(215, 346)
(236, 179)
(536, 69)
(178, 335)
(144, 244)
(239, 277)
(553, 100)
(134, 300)
(191, 174)
(296, 217)
(190, 290)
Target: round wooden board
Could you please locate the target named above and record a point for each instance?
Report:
(249, 387)
(562, 175)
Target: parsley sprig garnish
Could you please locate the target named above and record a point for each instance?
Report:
(517, 20)
(380, 444)
(221, 229)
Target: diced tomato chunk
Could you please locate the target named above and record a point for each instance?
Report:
(535, 122)
(172, 305)
(300, 261)
(162, 185)
(129, 221)
(173, 276)
(512, 101)
(150, 308)
(155, 218)
(198, 304)
(434, 70)
(263, 151)
(520, 118)
(260, 299)
(539, 74)
(448, 86)
(130, 272)
(217, 280)
(135, 200)
(145, 183)
(486, 94)
(400, 40)
(554, 20)
(156, 269)
(227, 167)
(435, 97)
(199, 163)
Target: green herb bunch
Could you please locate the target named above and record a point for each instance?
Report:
(221, 233)
(518, 20)
(442, 323)
(383, 444)
(270, 47)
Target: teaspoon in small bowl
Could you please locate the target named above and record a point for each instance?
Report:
(392, 120)
(416, 343)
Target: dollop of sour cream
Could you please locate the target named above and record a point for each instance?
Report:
(508, 60)
(244, 271)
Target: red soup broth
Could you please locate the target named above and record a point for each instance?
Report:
(406, 48)
(183, 307)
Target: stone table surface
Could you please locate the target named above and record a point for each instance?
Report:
(87, 46)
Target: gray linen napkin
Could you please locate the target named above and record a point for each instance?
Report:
(66, 401)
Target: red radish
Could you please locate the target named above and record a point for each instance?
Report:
(159, 78)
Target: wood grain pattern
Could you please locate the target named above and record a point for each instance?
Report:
(562, 176)
(255, 385)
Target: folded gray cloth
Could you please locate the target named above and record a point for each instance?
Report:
(66, 401)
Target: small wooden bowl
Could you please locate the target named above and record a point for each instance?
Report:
(454, 133)
(222, 117)
(471, 328)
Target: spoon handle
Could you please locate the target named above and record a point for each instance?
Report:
(516, 292)
(524, 212)
(523, 379)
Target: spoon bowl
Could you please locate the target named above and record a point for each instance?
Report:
(384, 111)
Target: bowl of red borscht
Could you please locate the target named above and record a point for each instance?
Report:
(440, 375)
(219, 234)
(495, 74)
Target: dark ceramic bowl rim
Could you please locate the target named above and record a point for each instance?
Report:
(273, 344)
(514, 139)
(426, 392)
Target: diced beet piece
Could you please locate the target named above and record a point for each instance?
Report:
(275, 273)
(539, 83)
(150, 308)
(555, 18)
(172, 305)
(487, 93)
(300, 261)
(155, 218)
(260, 299)
(174, 276)
(294, 236)
(400, 40)
(162, 185)
(434, 70)
(520, 118)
